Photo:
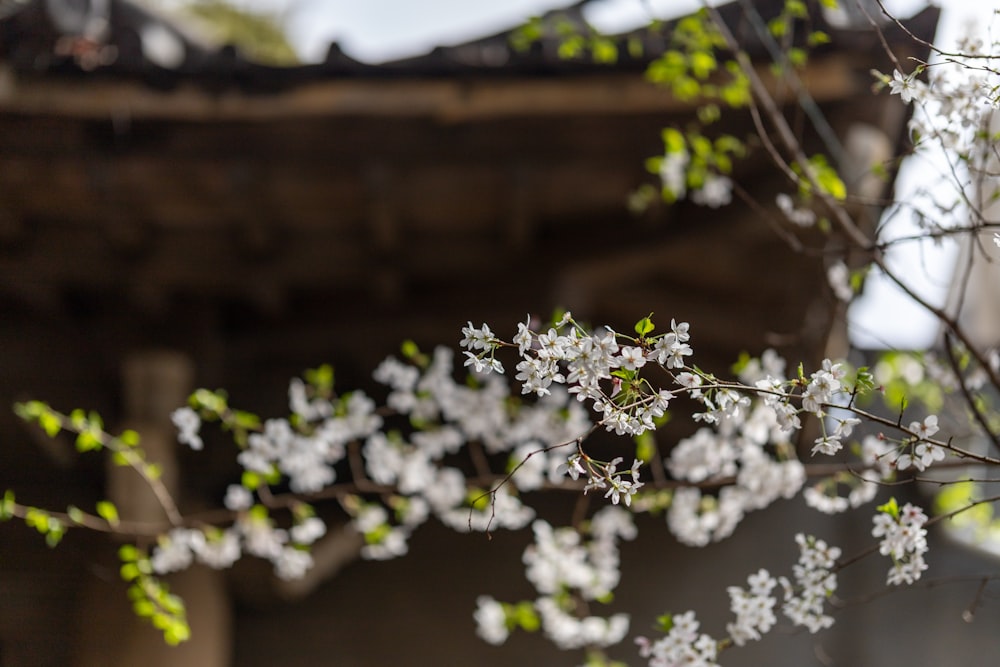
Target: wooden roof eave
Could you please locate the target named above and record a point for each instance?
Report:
(447, 99)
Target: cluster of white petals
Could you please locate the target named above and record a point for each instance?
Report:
(572, 381)
(904, 539)
(814, 582)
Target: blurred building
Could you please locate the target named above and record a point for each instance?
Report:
(174, 215)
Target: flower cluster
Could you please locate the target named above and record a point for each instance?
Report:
(823, 386)
(567, 571)
(682, 646)
(596, 368)
(575, 380)
(799, 216)
(188, 424)
(814, 582)
(862, 485)
(904, 539)
(919, 452)
(253, 533)
(754, 608)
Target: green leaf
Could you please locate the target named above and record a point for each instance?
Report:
(7, 505)
(524, 616)
(49, 421)
(250, 480)
(604, 51)
(665, 622)
(129, 438)
(107, 511)
(635, 47)
(87, 441)
(736, 93)
(702, 64)
(37, 519)
(826, 176)
(31, 410)
(571, 47)
(796, 9)
(128, 553)
(645, 326)
(778, 26)
(177, 633)
(796, 56)
(891, 508)
(673, 141)
(409, 349)
(55, 532)
(865, 381)
(686, 88)
(213, 402)
(78, 418)
(321, 378)
(143, 608)
(818, 37)
(645, 446)
(709, 113)
(75, 514)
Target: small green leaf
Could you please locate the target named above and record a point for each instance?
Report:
(107, 511)
(37, 519)
(635, 47)
(645, 446)
(7, 505)
(604, 51)
(891, 508)
(87, 441)
(31, 410)
(250, 480)
(665, 622)
(709, 113)
(50, 423)
(702, 64)
(865, 381)
(55, 532)
(143, 608)
(818, 37)
(645, 326)
(778, 26)
(78, 418)
(796, 56)
(129, 438)
(409, 349)
(75, 514)
(673, 141)
(321, 378)
(129, 571)
(522, 615)
(796, 9)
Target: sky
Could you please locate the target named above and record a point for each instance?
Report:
(381, 30)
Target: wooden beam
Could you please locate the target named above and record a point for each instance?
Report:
(448, 100)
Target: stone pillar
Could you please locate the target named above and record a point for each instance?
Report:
(155, 384)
